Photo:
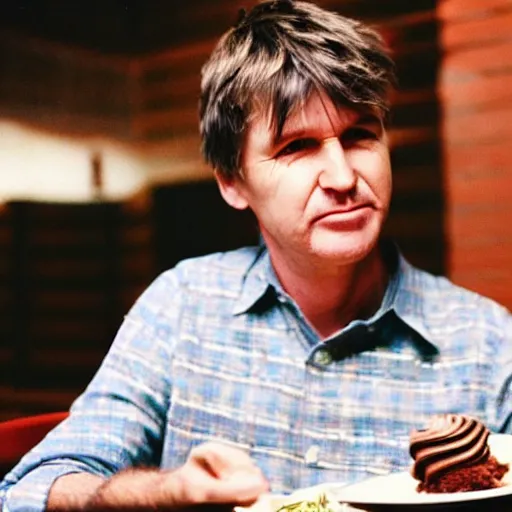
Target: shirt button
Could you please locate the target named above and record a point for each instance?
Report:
(312, 454)
(371, 329)
(322, 356)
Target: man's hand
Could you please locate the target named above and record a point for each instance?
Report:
(214, 474)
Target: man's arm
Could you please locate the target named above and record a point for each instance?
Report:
(119, 421)
(213, 474)
(503, 379)
(72, 492)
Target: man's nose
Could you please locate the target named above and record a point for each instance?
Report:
(336, 172)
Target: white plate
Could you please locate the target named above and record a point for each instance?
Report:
(399, 489)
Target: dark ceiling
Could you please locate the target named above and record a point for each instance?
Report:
(127, 27)
(134, 27)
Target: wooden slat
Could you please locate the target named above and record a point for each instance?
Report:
(138, 266)
(481, 189)
(65, 53)
(76, 299)
(421, 112)
(418, 70)
(5, 356)
(5, 266)
(5, 297)
(36, 399)
(493, 159)
(423, 178)
(495, 27)
(193, 53)
(65, 215)
(180, 120)
(484, 126)
(471, 253)
(466, 64)
(424, 222)
(410, 136)
(62, 269)
(409, 97)
(477, 94)
(180, 86)
(493, 220)
(64, 89)
(64, 330)
(52, 358)
(452, 11)
(57, 238)
(140, 235)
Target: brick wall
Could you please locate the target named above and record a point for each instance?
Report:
(475, 87)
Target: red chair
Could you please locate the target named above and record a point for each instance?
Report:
(18, 436)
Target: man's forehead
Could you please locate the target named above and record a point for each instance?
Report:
(317, 111)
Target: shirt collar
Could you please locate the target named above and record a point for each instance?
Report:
(404, 294)
(256, 282)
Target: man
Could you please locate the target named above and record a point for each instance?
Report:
(303, 361)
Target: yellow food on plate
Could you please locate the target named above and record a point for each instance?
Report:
(313, 499)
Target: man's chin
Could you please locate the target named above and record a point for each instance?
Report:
(344, 250)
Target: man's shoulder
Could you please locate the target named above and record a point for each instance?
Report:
(443, 295)
(216, 279)
(220, 264)
(220, 271)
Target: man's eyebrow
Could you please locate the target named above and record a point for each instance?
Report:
(364, 118)
(286, 135)
(369, 118)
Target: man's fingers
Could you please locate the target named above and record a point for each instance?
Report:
(241, 488)
(215, 474)
(188, 487)
(221, 460)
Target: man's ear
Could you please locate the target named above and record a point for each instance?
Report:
(232, 190)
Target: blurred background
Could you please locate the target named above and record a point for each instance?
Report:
(102, 185)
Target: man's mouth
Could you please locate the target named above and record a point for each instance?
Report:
(345, 213)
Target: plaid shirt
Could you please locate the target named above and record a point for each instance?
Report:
(214, 350)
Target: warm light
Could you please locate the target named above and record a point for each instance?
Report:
(37, 165)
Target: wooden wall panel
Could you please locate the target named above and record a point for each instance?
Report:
(6, 349)
(64, 89)
(476, 91)
(74, 270)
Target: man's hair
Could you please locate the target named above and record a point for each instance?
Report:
(273, 59)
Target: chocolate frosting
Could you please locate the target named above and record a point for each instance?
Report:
(449, 442)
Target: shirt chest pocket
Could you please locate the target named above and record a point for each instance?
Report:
(230, 404)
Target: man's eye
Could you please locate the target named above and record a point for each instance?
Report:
(296, 146)
(358, 134)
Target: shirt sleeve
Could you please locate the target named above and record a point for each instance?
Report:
(119, 420)
(503, 376)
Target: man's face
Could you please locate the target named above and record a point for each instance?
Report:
(321, 192)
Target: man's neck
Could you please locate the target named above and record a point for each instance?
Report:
(331, 298)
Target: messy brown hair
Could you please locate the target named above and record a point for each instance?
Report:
(275, 57)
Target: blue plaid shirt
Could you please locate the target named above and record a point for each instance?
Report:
(214, 350)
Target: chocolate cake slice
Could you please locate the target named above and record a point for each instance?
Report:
(452, 455)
